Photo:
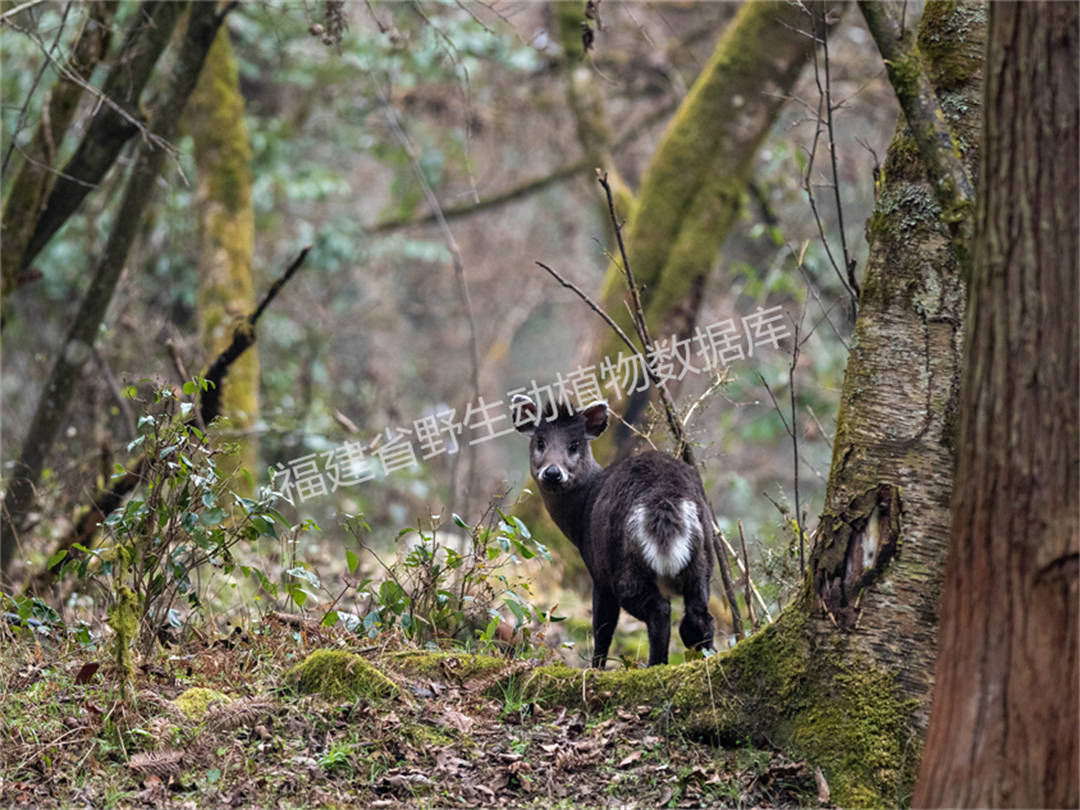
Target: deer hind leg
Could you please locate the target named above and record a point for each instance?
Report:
(696, 627)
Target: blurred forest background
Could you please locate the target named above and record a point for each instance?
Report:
(312, 124)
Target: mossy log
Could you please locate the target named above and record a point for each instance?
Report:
(341, 675)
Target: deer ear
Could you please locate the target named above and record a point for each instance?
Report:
(595, 419)
(524, 413)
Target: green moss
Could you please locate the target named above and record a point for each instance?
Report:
(433, 664)
(903, 210)
(341, 675)
(824, 702)
(954, 56)
(124, 621)
(195, 702)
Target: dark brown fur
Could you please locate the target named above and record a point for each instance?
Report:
(593, 506)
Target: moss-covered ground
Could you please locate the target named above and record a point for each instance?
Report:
(267, 718)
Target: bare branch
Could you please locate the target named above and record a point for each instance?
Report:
(595, 307)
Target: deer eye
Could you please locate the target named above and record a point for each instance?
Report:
(540, 445)
(575, 446)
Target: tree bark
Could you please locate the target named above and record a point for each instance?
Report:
(879, 556)
(1004, 726)
(215, 116)
(67, 369)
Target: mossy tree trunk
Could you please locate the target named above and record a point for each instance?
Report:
(215, 116)
(843, 676)
(1003, 730)
(693, 188)
(878, 561)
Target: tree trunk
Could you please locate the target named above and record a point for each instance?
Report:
(843, 676)
(215, 116)
(1004, 726)
(71, 358)
(879, 556)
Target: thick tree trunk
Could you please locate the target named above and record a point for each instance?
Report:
(1004, 725)
(843, 676)
(215, 116)
(879, 556)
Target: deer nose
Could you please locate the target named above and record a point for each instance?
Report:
(552, 475)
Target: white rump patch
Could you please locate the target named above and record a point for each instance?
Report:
(668, 558)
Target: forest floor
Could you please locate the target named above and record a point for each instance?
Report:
(447, 734)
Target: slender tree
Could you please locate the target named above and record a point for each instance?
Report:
(1003, 730)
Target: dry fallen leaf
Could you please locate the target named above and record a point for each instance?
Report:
(630, 759)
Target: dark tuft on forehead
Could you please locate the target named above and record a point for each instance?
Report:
(561, 414)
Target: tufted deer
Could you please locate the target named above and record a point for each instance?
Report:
(642, 526)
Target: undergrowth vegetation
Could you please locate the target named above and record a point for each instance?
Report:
(148, 686)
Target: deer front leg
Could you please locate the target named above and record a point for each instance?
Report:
(605, 615)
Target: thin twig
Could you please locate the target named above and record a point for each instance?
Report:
(593, 306)
(102, 98)
(719, 542)
(33, 86)
(746, 579)
(849, 263)
(753, 588)
(795, 442)
(808, 185)
(17, 9)
(684, 450)
(114, 388)
(820, 427)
